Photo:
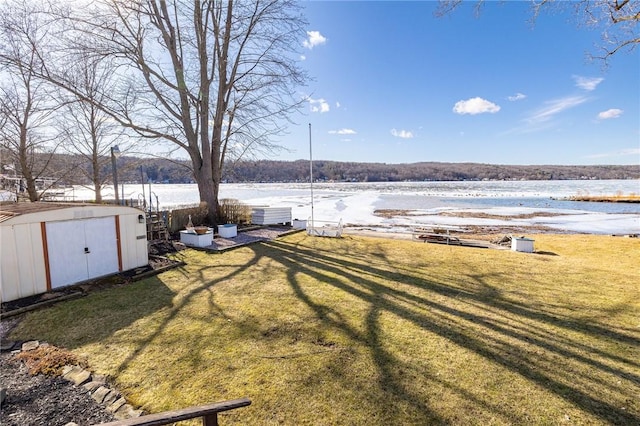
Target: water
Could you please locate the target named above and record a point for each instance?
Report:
(356, 202)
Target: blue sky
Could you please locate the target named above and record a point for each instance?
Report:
(392, 83)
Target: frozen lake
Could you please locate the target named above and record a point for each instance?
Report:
(430, 203)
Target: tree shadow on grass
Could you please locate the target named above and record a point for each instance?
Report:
(488, 330)
(98, 315)
(105, 313)
(176, 308)
(466, 311)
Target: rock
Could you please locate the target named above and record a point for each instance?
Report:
(71, 424)
(127, 412)
(116, 405)
(77, 375)
(3, 394)
(100, 393)
(110, 397)
(99, 378)
(30, 345)
(92, 385)
(66, 369)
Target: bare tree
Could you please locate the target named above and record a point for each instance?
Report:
(215, 79)
(87, 131)
(618, 19)
(26, 106)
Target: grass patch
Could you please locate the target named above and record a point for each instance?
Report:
(374, 331)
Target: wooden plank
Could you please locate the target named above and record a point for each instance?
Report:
(45, 251)
(207, 412)
(210, 420)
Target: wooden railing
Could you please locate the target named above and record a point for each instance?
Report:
(208, 413)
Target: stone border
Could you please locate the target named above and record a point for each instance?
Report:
(95, 384)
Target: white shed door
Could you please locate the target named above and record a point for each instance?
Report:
(81, 249)
(65, 245)
(102, 242)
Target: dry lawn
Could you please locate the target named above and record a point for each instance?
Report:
(373, 331)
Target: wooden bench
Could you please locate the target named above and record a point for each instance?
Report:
(208, 413)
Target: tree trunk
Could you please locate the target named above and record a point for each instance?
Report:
(95, 166)
(216, 171)
(208, 191)
(28, 177)
(25, 170)
(98, 189)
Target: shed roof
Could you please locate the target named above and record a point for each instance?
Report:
(8, 211)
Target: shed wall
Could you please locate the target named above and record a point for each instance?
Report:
(22, 262)
(22, 267)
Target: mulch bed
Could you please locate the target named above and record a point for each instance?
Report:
(44, 400)
(41, 399)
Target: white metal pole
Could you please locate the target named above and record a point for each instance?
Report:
(311, 176)
(144, 197)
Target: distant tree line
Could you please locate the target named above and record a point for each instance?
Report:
(298, 171)
(71, 170)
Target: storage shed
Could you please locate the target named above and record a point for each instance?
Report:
(44, 246)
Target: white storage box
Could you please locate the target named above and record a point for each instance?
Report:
(522, 244)
(271, 215)
(196, 240)
(299, 224)
(228, 231)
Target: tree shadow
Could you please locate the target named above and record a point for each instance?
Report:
(176, 308)
(487, 331)
(466, 311)
(545, 253)
(102, 312)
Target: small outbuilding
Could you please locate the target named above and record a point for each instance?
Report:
(44, 246)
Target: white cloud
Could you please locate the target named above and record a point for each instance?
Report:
(342, 132)
(517, 97)
(610, 113)
(337, 104)
(555, 107)
(315, 39)
(475, 106)
(587, 83)
(318, 105)
(404, 134)
(303, 58)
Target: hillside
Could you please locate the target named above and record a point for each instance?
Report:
(298, 171)
(72, 170)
